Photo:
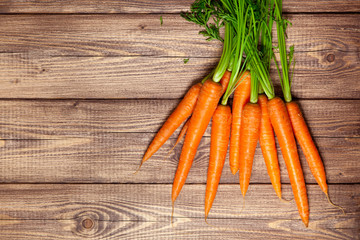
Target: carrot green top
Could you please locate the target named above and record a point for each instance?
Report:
(286, 59)
(246, 22)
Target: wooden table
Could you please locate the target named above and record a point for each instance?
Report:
(84, 86)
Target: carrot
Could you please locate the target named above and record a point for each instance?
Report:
(241, 97)
(206, 104)
(250, 126)
(225, 81)
(282, 125)
(307, 145)
(268, 147)
(220, 133)
(179, 115)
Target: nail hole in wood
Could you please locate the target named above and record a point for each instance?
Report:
(87, 223)
(330, 57)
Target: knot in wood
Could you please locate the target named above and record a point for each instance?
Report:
(330, 57)
(87, 223)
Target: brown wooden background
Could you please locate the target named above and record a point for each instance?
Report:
(84, 86)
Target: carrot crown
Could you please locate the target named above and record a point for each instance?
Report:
(243, 21)
(238, 17)
(261, 13)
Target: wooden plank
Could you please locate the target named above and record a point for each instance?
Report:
(27, 76)
(142, 35)
(152, 6)
(57, 119)
(114, 211)
(114, 157)
(52, 60)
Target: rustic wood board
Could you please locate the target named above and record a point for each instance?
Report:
(57, 119)
(42, 57)
(98, 139)
(114, 157)
(142, 35)
(84, 86)
(153, 6)
(143, 212)
(26, 76)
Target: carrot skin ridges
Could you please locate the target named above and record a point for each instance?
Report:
(307, 145)
(241, 97)
(225, 81)
(205, 107)
(268, 146)
(280, 120)
(178, 116)
(220, 134)
(250, 128)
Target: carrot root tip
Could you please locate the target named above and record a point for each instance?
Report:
(233, 171)
(206, 220)
(171, 150)
(172, 214)
(138, 168)
(243, 206)
(337, 206)
(286, 200)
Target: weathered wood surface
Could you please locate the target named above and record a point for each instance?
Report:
(58, 119)
(142, 35)
(153, 6)
(114, 157)
(132, 68)
(93, 56)
(78, 141)
(143, 212)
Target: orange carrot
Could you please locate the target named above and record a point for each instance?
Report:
(250, 127)
(220, 133)
(179, 115)
(241, 97)
(282, 125)
(268, 147)
(225, 81)
(307, 145)
(206, 104)
(181, 134)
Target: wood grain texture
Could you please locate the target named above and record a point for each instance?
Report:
(142, 35)
(58, 119)
(153, 6)
(27, 76)
(143, 212)
(116, 53)
(93, 56)
(114, 157)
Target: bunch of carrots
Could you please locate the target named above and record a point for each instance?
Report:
(256, 113)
